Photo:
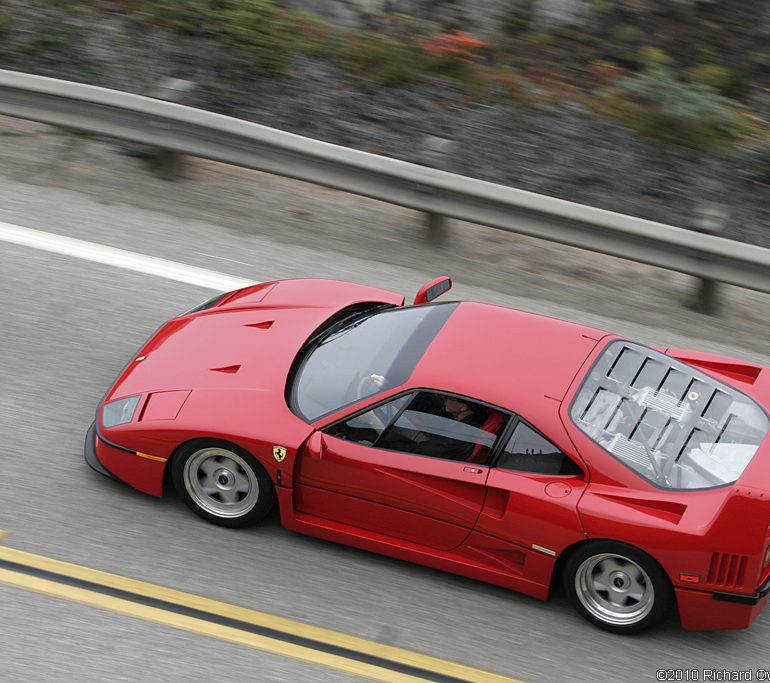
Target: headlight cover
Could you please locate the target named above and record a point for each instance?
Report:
(119, 412)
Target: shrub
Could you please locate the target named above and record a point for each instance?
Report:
(718, 77)
(653, 57)
(604, 73)
(255, 28)
(379, 58)
(451, 53)
(455, 45)
(516, 19)
(48, 39)
(602, 9)
(624, 44)
(310, 34)
(690, 114)
(188, 17)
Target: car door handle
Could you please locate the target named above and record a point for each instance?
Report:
(473, 470)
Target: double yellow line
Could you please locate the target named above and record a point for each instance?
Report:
(230, 623)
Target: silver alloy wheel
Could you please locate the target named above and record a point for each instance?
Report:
(221, 482)
(614, 589)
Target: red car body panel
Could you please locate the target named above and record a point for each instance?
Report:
(699, 612)
(222, 373)
(426, 500)
(520, 361)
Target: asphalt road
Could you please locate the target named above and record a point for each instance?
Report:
(68, 325)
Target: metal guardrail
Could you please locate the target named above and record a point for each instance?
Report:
(233, 141)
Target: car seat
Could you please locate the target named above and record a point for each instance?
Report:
(492, 425)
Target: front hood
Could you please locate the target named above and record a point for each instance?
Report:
(240, 345)
(238, 349)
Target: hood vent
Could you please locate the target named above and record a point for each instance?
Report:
(266, 325)
(229, 369)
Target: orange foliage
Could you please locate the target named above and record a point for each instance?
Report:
(455, 46)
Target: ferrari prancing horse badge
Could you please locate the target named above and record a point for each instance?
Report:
(279, 453)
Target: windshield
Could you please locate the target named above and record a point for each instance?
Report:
(367, 355)
(671, 424)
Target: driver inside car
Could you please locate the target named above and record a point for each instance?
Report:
(449, 442)
(438, 426)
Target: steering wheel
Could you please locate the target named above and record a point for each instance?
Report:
(369, 385)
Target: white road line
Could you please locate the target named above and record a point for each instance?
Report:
(119, 258)
(224, 258)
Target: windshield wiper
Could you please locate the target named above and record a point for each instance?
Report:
(352, 319)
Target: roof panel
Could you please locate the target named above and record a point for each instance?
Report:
(504, 356)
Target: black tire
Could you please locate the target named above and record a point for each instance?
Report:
(617, 587)
(222, 483)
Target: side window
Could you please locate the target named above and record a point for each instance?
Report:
(444, 426)
(527, 451)
(367, 427)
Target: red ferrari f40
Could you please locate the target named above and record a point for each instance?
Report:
(508, 447)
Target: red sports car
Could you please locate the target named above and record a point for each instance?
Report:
(504, 446)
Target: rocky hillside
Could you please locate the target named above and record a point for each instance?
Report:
(542, 109)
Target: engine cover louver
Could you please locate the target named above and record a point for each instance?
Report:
(727, 570)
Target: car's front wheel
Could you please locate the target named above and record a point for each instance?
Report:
(617, 587)
(222, 483)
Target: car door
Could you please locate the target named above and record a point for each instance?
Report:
(532, 494)
(402, 469)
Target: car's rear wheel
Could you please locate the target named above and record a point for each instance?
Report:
(617, 587)
(222, 483)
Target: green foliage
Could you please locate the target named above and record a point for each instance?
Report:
(653, 58)
(188, 17)
(255, 28)
(691, 114)
(311, 35)
(718, 77)
(625, 43)
(49, 38)
(516, 19)
(541, 39)
(759, 59)
(376, 57)
(602, 8)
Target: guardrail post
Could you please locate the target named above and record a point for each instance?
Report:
(710, 219)
(167, 164)
(437, 153)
